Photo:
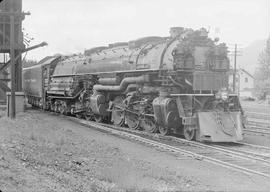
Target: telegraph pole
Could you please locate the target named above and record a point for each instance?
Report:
(234, 73)
(12, 62)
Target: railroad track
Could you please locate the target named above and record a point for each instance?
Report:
(257, 109)
(258, 123)
(246, 158)
(258, 130)
(256, 127)
(258, 115)
(255, 123)
(257, 151)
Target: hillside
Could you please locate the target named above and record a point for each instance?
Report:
(250, 54)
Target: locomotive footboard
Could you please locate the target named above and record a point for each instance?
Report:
(217, 126)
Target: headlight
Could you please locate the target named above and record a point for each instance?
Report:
(222, 94)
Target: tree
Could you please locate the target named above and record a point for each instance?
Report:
(262, 74)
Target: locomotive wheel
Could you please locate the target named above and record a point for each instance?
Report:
(132, 120)
(189, 132)
(118, 115)
(164, 130)
(149, 125)
(47, 107)
(88, 114)
(98, 118)
(50, 107)
(55, 108)
(79, 115)
(87, 117)
(62, 108)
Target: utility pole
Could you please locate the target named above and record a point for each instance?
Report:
(12, 62)
(234, 73)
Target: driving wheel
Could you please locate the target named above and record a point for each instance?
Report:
(118, 115)
(189, 132)
(132, 120)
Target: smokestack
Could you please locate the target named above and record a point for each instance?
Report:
(176, 31)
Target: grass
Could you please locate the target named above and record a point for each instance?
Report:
(45, 145)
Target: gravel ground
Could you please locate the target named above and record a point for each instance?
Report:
(40, 152)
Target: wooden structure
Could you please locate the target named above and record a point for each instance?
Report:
(12, 10)
(11, 47)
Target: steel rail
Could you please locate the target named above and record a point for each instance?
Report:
(260, 124)
(252, 145)
(258, 132)
(251, 150)
(258, 128)
(232, 151)
(258, 115)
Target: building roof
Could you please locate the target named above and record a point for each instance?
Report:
(243, 70)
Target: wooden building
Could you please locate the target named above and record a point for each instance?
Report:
(8, 8)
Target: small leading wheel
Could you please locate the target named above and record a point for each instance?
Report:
(79, 115)
(164, 130)
(55, 108)
(88, 114)
(62, 109)
(98, 118)
(88, 117)
(132, 120)
(189, 132)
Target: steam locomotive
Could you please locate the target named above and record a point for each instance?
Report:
(176, 84)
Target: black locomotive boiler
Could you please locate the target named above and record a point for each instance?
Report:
(176, 84)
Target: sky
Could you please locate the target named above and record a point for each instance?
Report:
(71, 26)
